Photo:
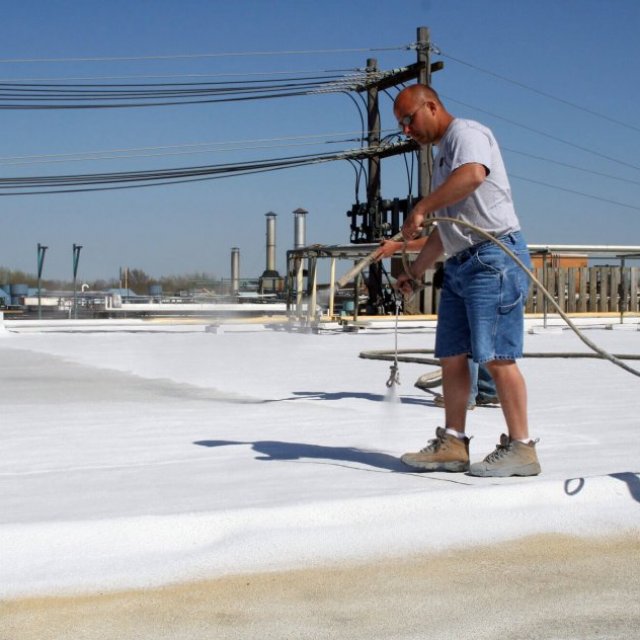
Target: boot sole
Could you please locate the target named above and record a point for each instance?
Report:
(527, 470)
(451, 467)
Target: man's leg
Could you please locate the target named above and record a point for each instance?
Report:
(449, 450)
(487, 392)
(456, 384)
(495, 298)
(512, 392)
(515, 454)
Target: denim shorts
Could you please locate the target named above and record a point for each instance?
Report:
(481, 310)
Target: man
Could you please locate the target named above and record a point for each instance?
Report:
(481, 309)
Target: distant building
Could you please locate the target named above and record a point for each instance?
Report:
(559, 260)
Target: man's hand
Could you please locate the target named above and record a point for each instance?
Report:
(387, 249)
(405, 284)
(413, 224)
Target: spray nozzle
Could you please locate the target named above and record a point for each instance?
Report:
(394, 376)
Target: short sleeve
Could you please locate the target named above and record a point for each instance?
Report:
(470, 145)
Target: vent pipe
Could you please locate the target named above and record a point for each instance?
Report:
(300, 228)
(235, 270)
(271, 245)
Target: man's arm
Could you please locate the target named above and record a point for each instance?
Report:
(389, 247)
(428, 256)
(461, 183)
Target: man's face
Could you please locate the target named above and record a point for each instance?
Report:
(417, 120)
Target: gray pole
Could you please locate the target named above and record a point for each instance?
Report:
(235, 270)
(41, 252)
(76, 259)
(375, 229)
(299, 228)
(425, 158)
(271, 242)
(545, 284)
(299, 242)
(373, 164)
(424, 77)
(623, 291)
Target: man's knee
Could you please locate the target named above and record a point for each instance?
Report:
(452, 363)
(498, 368)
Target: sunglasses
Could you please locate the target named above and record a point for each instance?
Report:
(406, 121)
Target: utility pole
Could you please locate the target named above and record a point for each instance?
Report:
(41, 251)
(381, 218)
(425, 153)
(425, 158)
(76, 260)
(375, 231)
(373, 163)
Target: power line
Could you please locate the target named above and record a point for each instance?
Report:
(174, 93)
(570, 166)
(77, 182)
(182, 75)
(545, 94)
(166, 154)
(185, 149)
(165, 103)
(547, 135)
(107, 88)
(40, 185)
(193, 56)
(575, 192)
(20, 96)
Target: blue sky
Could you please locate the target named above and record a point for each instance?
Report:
(574, 53)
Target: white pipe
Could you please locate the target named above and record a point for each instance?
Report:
(332, 286)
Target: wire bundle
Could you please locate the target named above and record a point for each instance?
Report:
(127, 179)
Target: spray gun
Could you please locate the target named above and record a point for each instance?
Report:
(394, 375)
(363, 264)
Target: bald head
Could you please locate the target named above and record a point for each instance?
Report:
(421, 114)
(417, 93)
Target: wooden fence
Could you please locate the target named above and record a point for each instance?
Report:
(603, 289)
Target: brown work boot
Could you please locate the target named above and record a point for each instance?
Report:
(443, 453)
(510, 458)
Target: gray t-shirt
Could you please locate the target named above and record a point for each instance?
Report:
(490, 206)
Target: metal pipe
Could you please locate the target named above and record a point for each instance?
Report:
(583, 248)
(300, 230)
(311, 303)
(271, 242)
(299, 277)
(235, 270)
(299, 242)
(332, 286)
